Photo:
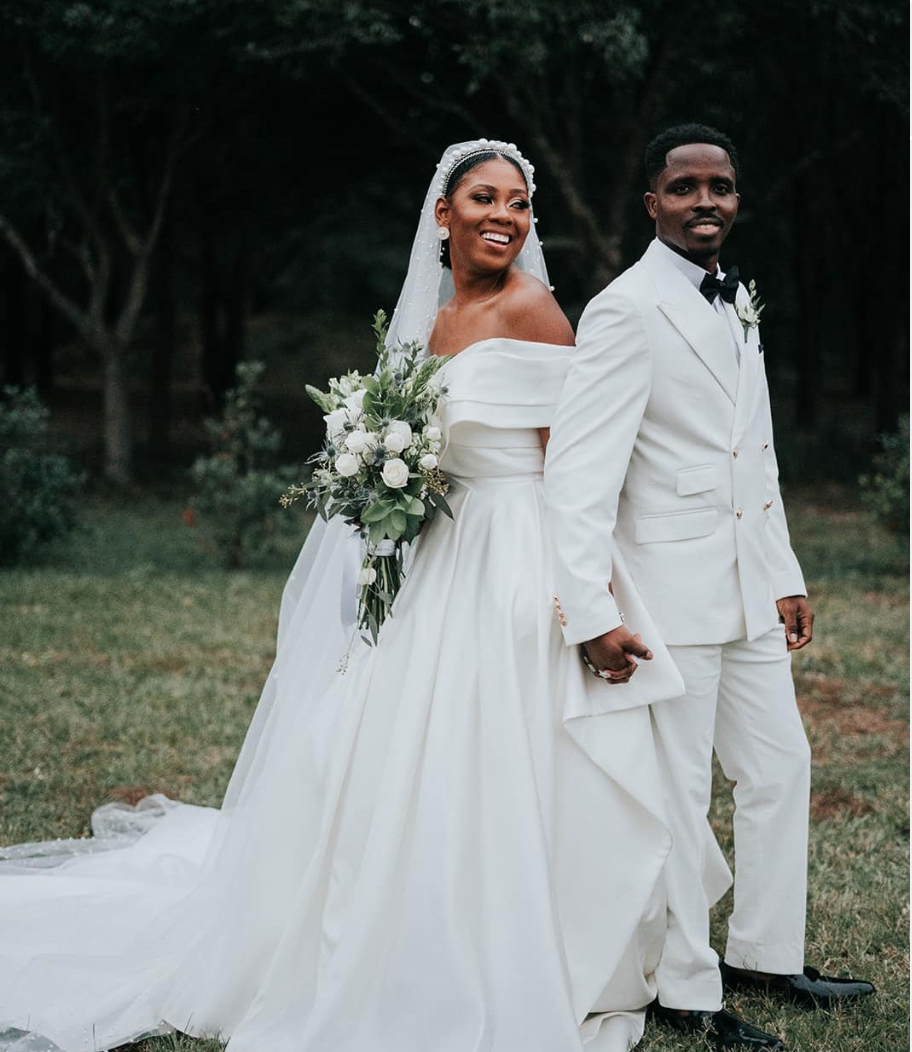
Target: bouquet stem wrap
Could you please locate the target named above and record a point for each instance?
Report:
(380, 580)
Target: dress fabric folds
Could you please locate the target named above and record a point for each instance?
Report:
(455, 844)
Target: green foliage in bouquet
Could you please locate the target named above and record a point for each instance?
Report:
(886, 489)
(378, 466)
(37, 488)
(239, 482)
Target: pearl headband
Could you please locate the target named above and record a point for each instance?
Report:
(490, 146)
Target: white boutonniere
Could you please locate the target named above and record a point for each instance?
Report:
(749, 313)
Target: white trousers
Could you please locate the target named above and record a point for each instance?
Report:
(741, 701)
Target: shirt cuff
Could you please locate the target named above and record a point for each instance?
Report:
(788, 584)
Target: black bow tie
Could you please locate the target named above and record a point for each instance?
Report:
(727, 288)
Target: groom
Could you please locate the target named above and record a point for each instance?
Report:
(663, 437)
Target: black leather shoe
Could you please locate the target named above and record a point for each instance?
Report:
(810, 989)
(723, 1028)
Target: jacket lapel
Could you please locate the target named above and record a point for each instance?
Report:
(705, 331)
(750, 365)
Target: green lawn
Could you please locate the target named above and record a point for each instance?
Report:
(131, 662)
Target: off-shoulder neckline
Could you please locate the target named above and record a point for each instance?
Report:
(505, 339)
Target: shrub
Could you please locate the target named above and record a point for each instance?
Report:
(37, 488)
(886, 489)
(239, 483)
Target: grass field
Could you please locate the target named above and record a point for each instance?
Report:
(130, 663)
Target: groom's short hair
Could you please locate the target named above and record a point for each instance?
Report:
(684, 135)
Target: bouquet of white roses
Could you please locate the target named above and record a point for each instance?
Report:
(378, 465)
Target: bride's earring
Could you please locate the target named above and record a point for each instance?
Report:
(443, 232)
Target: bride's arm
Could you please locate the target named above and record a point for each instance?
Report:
(532, 313)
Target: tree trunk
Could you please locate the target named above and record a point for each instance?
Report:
(118, 432)
(14, 321)
(209, 318)
(160, 404)
(235, 315)
(46, 327)
(892, 348)
(865, 316)
(223, 313)
(888, 295)
(807, 354)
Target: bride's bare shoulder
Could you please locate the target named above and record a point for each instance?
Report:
(531, 312)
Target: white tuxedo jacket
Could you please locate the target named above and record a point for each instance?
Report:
(662, 444)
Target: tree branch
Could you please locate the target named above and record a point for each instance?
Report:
(34, 270)
(438, 101)
(553, 159)
(131, 239)
(139, 280)
(59, 156)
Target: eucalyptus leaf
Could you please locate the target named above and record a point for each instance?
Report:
(415, 507)
(376, 512)
(377, 532)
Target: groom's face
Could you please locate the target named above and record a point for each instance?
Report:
(694, 202)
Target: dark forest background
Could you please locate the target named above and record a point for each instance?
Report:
(188, 183)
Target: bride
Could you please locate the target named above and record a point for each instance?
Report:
(458, 844)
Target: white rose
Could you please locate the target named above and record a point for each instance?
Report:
(400, 427)
(431, 433)
(371, 445)
(335, 424)
(395, 473)
(394, 442)
(428, 462)
(356, 442)
(347, 464)
(356, 399)
(350, 382)
(367, 576)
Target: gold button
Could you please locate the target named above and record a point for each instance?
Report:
(768, 505)
(738, 513)
(559, 612)
(735, 453)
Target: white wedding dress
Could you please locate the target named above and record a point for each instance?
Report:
(455, 846)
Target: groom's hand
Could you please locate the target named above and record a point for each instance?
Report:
(796, 614)
(618, 652)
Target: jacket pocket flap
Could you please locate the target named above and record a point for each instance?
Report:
(676, 526)
(696, 480)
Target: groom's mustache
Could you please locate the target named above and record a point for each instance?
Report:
(699, 220)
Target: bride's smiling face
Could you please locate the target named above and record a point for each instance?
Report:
(488, 216)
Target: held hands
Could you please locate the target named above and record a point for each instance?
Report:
(615, 655)
(796, 614)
